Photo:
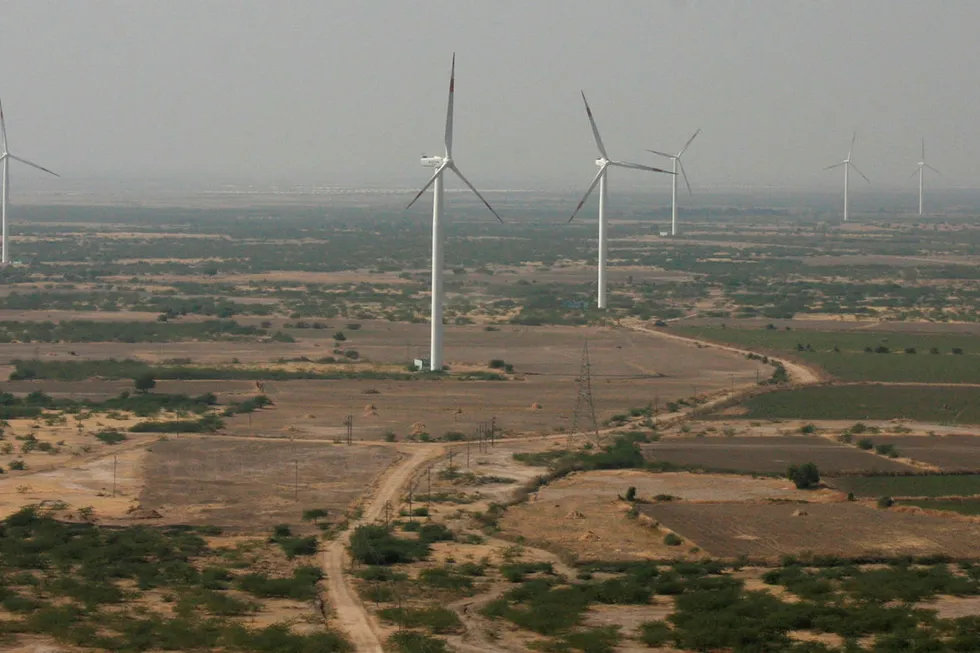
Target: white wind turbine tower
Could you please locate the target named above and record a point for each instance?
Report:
(922, 165)
(5, 157)
(676, 158)
(441, 164)
(604, 163)
(847, 163)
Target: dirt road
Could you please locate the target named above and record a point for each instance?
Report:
(798, 374)
(350, 614)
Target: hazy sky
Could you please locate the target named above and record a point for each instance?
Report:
(353, 92)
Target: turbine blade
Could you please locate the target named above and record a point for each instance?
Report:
(449, 109)
(688, 143)
(917, 171)
(851, 148)
(33, 165)
(663, 154)
(861, 173)
(588, 191)
(3, 130)
(637, 166)
(931, 168)
(595, 130)
(452, 166)
(836, 165)
(923, 149)
(427, 184)
(680, 164)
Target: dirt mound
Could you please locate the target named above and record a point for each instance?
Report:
(575, 514)
(590, 536)
(800, 513)
(418, 428)
(536, 406)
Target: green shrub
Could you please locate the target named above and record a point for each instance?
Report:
(805, 476)
(866, 444)
(376, 545)
(885, 502)
(408, 641)
(436, 620)
(672, 540)
(654, 634)
(111, 436)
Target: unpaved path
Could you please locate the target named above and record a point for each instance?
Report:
(798, 373)
(349, 612)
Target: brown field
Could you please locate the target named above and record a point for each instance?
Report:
(768, 455)
(629, 368)
(951, 453)
(839, 323)
(842, 529)
(582, 516)
(249, 486)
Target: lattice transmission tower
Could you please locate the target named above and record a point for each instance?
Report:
(583, 419)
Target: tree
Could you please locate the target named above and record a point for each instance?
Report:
(144, 382)
(314, 514)
(804, 476)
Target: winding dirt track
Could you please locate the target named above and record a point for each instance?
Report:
(353, 617)
(349, 612)
(798, 374)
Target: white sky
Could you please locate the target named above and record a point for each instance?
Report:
(351, 93)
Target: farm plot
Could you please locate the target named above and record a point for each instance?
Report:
(767, 455)
(839, 529)
(939, 404)
(951, 453)
(962, 506)
(248, 486)
(924, 485)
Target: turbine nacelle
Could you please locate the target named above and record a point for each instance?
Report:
(433, 161)
(602, 162)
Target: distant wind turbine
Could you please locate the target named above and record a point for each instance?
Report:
(676, 158)
(5, 157)
(441, 164)
(604, 163)
(847, 163)
(922, 165)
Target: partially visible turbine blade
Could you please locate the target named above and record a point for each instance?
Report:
(680, 164)
(923, 149)
(466, 181)
(637, 166)
(917, 171)
(33, 165)
(3, 129)
(588, 191)
(836, 165)
(427, 184)
(595, 130)
(688, 143)
(449, 109)
(931, 168)
(663, 154)
(851, 148)
(861, 173)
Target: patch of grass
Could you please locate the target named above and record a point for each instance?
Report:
(917, 485)
(960, 405)
(961, 506)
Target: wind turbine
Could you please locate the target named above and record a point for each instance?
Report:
(847, 163)
(604, 163)
(441, 164)
(676, 158)
(922, 165)
(5, 157)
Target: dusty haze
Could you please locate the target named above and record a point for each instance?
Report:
(351, 93)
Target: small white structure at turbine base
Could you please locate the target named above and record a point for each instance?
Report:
(441, 164)
(604, 163)
(5, 158)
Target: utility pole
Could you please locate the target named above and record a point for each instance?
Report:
(411, 491)
(387, 513)
(114, 461)
(467, 454)
(296, 479)
(584, 419)
(428, 495)
(349, 423)
(493, 431)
